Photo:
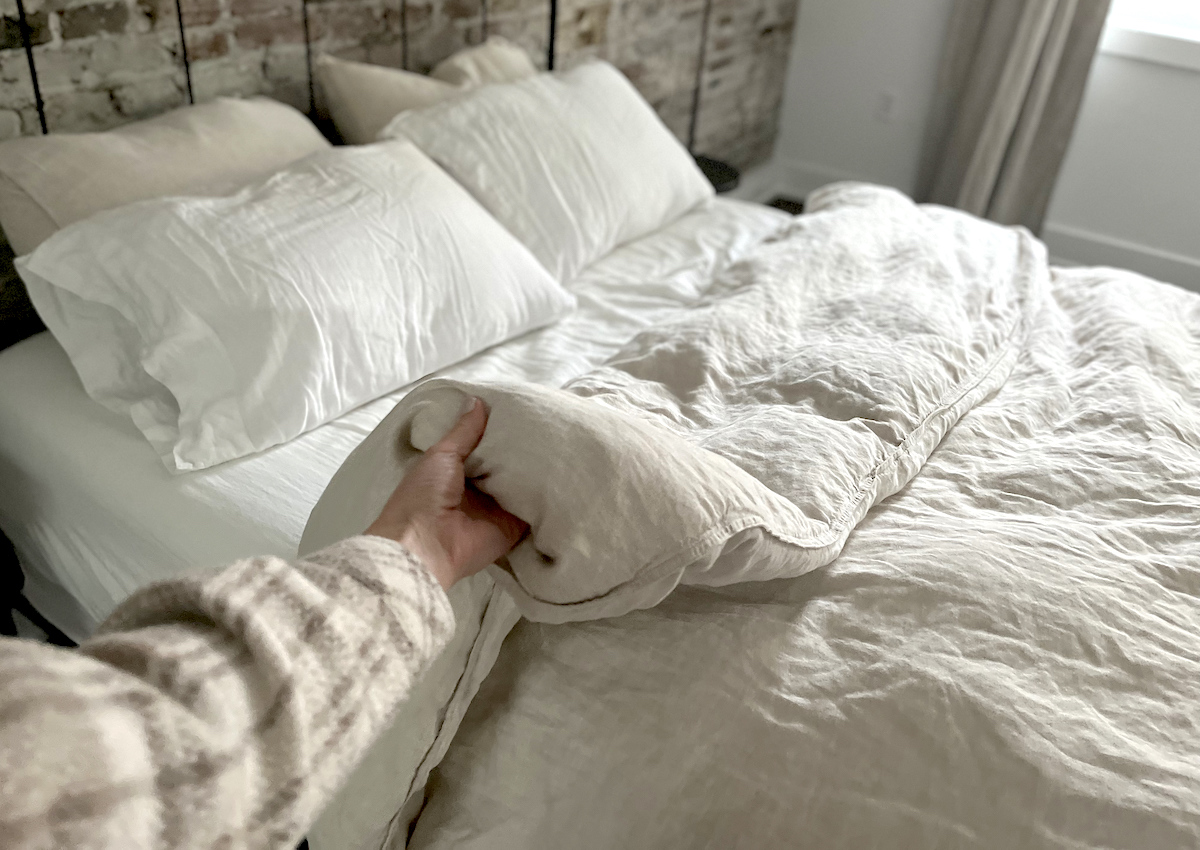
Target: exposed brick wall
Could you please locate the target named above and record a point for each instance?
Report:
(106, 63)
(101, 64)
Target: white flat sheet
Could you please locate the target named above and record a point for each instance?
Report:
(90, 508)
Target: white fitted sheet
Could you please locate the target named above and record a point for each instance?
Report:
(92, 512)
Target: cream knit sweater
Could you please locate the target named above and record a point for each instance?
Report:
(218, 710)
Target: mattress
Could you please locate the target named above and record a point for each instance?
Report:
(94, 515)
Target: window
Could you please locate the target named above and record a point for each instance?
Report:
(1166, 32)
(1180, 18)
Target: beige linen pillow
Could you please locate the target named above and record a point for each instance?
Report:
(497, 60)
(362, 98)
(49, 182)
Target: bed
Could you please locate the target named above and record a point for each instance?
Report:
(93, 513)
(1002, 653)
(999, 646)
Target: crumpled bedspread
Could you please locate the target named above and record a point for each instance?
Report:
(745, 441)
(1004, 652)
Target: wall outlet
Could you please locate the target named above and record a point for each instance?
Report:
(885, 107)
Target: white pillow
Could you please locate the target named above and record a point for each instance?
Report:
(362, 98)
(573, 164)
(228, 325)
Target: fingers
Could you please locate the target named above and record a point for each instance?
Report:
(480, 506)
(466, 433)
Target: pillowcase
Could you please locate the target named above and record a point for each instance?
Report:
(48, 182)
(363, 98)
(573, 164)
(497, 60)
(224, 326)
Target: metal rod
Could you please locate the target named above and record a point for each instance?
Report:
(483, 20)
(187, 66)
(27, 40)
(312, 95)
(699, 76)
(553, 33)
(404, 34)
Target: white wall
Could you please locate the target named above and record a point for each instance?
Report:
(858, 93)
(1129, 191)
(860, 83)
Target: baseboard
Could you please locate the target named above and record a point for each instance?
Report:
(1085, 248)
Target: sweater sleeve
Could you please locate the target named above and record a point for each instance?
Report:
(218, 710)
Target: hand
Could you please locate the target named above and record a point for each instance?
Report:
(440, 517)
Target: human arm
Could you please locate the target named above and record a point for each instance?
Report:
(223, 709)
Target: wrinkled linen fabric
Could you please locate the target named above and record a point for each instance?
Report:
(853, 370)
(1005, 655)
(956, 662)
(638, 286)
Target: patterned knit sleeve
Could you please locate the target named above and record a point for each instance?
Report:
(220, 710)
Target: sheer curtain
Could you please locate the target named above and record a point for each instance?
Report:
(1010, 85)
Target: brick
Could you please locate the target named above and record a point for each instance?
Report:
(461, 9)
(62, 70)
(345, 23)
(238, 74)
(418, 15)
(196, 13)
(39, 30)
(259, 8)
(151, 96)
(29, 119)
(587, 27)
(499, 8)
(206, 45)
(84, 21)
(265, 30)
(82, 111)
(134, 54)
(10, 124)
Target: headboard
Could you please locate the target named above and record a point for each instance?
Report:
(78, 65)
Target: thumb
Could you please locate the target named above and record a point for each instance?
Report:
(465, 434)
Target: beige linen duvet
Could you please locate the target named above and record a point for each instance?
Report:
(1004, 653)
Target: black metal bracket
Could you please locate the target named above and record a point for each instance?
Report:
(27, 41)
(700, 62)
(312, 94)
(553, 35)
(404, 34)
(187, 66)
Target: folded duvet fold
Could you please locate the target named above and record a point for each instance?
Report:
(745, 441)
